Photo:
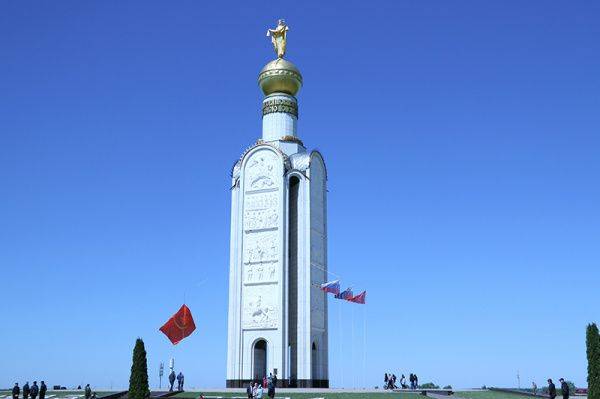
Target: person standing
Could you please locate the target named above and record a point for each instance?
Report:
(43, 389)
(26, 390)
(271, 390)
(88, 391)
(259, 391)
(534, 388)
(385, 380)
(254, 389)
(16, 391)
(411, 378)
(171, 380)
(564, 388)
(34, 390)
(249, 391)
(275, 380)
(180, 381)
(416, 382)
(551, 389)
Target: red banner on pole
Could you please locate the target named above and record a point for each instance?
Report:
(179, 326)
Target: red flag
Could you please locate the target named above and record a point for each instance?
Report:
(179, 326)
(360, 298)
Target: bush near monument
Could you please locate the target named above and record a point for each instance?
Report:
(138, 381)
(592, 337)
(429, 385)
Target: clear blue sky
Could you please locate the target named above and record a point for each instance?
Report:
(463, 150)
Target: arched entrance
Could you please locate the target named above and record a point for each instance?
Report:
(259, 367)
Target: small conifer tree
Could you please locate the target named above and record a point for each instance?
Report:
(138, 381)
(593, 355)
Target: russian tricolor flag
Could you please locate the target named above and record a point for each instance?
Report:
(331, 286)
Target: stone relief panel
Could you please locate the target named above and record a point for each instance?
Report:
(262, 171)
(260, 308)
(260, 273)
(261, 201)
(261, 247)
(261, 219)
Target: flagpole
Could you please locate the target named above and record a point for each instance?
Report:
(364, 347)
(352, 352)
(341, 339)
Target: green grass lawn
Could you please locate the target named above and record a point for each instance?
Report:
(62, 393)
(489, 395)
(304, 395)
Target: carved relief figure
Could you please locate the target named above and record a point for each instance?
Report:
(261, 247)
(260, 171)
(260, 310)
(261, 273)
(260, 219)
(261, 201)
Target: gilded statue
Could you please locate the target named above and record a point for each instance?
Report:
(278, 37)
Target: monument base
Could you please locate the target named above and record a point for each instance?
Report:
(282, 383)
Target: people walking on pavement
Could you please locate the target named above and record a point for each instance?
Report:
(26, 390)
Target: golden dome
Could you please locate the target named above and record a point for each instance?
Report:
(280, 76)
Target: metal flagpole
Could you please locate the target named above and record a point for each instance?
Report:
(364, 347)
(341, 344)
(352, 349)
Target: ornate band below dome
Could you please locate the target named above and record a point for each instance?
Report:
(280, 105)
(279, 72)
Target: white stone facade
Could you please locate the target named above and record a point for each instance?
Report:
(278, 258)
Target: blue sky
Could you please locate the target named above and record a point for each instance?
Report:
(461, 140)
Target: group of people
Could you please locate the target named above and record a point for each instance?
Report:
(30, 392)
(180, 378)
(389, 381)
(564, 387)
(257, 391)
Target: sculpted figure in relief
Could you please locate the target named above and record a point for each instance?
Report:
(259, 314)
(261, 169)
(260, 247)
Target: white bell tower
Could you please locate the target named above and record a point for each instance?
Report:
(277, 320)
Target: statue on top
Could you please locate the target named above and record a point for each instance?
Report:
(278, 37)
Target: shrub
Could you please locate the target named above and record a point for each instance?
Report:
(592, 338)
(429, 385)
(448, 387)
(138, 381)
